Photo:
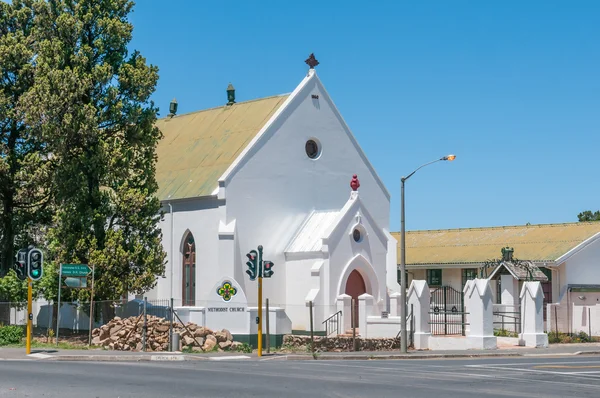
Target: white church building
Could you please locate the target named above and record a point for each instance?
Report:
(284, 172)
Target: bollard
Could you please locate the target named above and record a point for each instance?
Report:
(175, 342)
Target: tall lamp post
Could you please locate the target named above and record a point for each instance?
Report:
(403, 335)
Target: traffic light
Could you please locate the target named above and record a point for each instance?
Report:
(35, 261)
(268, 271)
(252, 264)
(21, 264)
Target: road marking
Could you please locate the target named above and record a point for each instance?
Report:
(567, 366)
(167, 358)
(40, 355)
(229, 357)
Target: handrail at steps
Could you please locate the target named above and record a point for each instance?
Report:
(331, 320)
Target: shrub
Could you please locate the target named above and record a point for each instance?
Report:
(11, 335)
(245, 347)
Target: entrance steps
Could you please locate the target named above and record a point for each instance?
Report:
(348, 333)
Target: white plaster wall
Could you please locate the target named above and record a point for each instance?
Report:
(299, 284)
(343, 248)
(201, 217)
(277, 185)
(584, 266)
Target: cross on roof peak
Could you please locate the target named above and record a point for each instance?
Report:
(311, 61)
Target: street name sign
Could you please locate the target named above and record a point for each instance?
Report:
(75, 270)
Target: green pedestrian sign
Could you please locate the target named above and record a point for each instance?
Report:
(75, 270)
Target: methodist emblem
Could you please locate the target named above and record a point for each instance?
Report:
(226, 291)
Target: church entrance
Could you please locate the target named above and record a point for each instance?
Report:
(188, 276)
(355, 286)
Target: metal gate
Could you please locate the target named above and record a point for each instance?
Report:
(447, 315)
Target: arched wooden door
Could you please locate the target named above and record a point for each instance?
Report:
(188, 280)
(355, 286)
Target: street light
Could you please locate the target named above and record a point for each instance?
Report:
(403, 255)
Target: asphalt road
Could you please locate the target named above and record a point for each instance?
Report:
(491, 377)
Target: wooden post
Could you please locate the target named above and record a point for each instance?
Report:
(312, 336)
(145, 329)
(556, 321)
(590, 323)
(268, 336)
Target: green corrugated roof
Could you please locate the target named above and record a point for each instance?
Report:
(198, 147)
(542, 242)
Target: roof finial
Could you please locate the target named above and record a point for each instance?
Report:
(354, 183)
(311, 61)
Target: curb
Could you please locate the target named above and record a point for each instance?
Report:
(127, 358)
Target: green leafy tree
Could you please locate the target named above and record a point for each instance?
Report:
(589, 216)
(25, 166)
(91, 103)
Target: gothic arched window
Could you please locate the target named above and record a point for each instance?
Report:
(188, 279)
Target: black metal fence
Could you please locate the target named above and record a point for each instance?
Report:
(509, 321)
(447, 315)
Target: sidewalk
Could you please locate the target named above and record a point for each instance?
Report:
(16, 354)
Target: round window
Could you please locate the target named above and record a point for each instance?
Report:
(312, 149)
(356, 235)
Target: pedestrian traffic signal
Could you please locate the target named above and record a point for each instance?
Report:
(35, 261)
(268, 271)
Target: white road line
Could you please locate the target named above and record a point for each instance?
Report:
(571, 374)
(230, 357)
(478, 375)
(483, 365)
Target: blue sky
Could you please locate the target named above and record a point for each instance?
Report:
(511, 87)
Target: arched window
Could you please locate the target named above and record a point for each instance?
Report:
(188, 279)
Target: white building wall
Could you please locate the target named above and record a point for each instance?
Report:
(584, 266)
(343, 249)
(276, 186)
(201, 217)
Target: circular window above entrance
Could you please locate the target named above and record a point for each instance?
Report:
(357, 235)
(312, 148)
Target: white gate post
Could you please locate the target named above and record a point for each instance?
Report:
(466, 294)
(365, 308)
(419, 298)
(481, 318)
(532, 316)
(344, 303)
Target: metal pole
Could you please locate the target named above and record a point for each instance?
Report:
(171, 329)
(267, 318)
(402, 273)
(312, 336)
(353, 321)
(260, 316)
(58, 313)
(145, 324)
(92, 305)
(29, 315)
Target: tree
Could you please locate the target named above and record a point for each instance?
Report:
(589, 216)
(25, 193)
(91, 103)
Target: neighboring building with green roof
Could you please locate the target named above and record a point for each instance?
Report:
(567, 254)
